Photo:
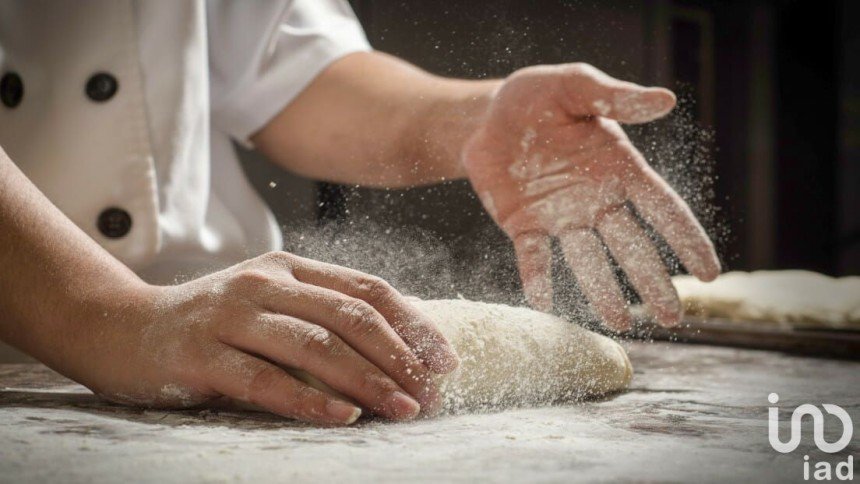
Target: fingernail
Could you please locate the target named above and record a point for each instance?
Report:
(666, 308)
(448, 361)
(616, 318)
(642, 105)
(343, 411)
(402, 405)
(441, 359)
(670, 318)
(431, 401)
(628, 367)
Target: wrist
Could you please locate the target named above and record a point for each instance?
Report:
(475, 108)
(438, 130)
(83, 336)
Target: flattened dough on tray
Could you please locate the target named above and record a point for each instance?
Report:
(793, 297)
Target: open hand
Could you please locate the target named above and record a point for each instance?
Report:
(551, 160)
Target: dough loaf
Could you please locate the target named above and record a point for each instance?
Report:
(798, 298)
(514, 356)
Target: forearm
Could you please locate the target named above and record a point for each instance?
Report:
(374, 120)
(55, 283)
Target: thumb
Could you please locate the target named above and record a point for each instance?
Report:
(591, 92)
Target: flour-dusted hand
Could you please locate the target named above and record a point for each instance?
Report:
(234, 333)
(269, 331)
(551, 160)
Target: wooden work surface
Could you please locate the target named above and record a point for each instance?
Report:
(692, 414)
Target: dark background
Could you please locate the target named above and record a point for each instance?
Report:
(765, 145)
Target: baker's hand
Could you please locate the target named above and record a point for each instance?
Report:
(551, 160)
(233, 333)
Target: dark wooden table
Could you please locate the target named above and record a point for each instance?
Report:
(692, 414)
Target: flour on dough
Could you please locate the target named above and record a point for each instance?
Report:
(788, 297)
(514, 356)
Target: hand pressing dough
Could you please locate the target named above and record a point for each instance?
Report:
(514, 356)
(789, 297)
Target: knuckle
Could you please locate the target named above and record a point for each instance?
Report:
(251, 278)
(302, 400)
(277, 258)
(288, 289)
(374, 289)
(583, 69)
(323, 341)
(357, 316)
(578, 67)
(374, 383)
(534, 72)
(531, 246)
(262, 381)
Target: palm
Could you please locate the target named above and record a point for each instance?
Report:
(549, 162)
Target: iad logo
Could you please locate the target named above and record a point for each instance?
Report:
(823, 470)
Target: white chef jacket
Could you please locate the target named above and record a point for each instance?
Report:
(122, 112)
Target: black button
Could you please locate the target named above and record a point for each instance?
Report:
(101, 87)
(114, 223)
(11, 89)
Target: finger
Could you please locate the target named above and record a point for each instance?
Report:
(299, 344)
(417, 330)
(585, 256)
(661, 207)
(247, 379)
(591, 92)
(637, 255)
(361, 327)
(534, 259)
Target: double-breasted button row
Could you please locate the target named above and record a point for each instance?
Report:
(100, 87)
(11, 89)
(114, 223)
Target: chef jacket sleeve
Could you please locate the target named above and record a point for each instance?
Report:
(263, 53)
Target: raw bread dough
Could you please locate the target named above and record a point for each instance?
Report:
(789, 297)
(513, 356)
